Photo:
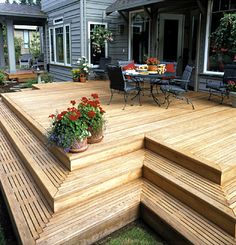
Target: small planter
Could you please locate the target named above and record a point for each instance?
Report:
(152, 68)
(77, 79)
(233, 98)
(79, 146)
(95, 137)
(83, 79)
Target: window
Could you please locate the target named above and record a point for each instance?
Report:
(60, 45)
(95, 57)
(26, 38)
(215, 58)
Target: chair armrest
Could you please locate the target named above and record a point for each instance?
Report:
(178, 81)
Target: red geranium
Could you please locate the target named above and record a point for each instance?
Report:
(73, 102)
(91, 114)
(95, 96)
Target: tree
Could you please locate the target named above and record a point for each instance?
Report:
(35, 45)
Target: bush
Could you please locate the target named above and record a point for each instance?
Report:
(2, 77)
(30, 83)
(47, 77)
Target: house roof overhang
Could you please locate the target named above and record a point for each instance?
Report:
(22, 14)
(168, 5)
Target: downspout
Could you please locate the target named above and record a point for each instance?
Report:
(196, 83)
(82, 27)
(85, 30)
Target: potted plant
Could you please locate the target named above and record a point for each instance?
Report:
(93, 115)
(68, 130)
(100, 35)
(152, 63)
(231, 86)
(83, 68)
(223, 42)
(75, 75)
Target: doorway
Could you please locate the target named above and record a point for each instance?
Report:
(171, 37)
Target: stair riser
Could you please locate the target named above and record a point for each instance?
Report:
(193, 201)
(161, 227)
(98, 189)
(192, 164)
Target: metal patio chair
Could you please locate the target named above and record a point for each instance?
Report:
(119, 83)
(101, 71)
(220, 87)
(178, 87)
(26, 60)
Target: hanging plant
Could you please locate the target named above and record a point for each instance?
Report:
(99, 37)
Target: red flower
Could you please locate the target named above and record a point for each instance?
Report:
(95, 96)
(91, 114)
(73, 102)
(73, 117)
(101, 110)
(59, 117)
(51, 116)
(63, 113)
(84, 99)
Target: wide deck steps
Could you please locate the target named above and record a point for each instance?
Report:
(194, 227)
(206, 169)
(202, 195)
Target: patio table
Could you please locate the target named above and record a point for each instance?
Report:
(148, 77)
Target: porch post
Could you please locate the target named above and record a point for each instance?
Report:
(2, 60)
(11, 46)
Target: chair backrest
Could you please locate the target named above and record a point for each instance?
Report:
(104, 62)
(229, 73)
(116, 78)
(186, 77)
(26, 57)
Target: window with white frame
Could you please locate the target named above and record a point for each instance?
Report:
(217, 58)
(26, 38)
(60, 44)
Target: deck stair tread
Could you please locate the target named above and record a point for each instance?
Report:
(52, 168)
(29, 209)
(187, 179)
(93, 175)
(75, 221)
(186, 221)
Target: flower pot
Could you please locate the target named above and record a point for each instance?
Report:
(152, 67)
(233, 98)
(77, 79)
(83, 79)
(79, 146)
(95, 137)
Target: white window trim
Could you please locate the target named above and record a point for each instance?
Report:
(206, 54)
(65, 45)
(130, 31)
(55, 62)
(89, 39)
(50, 47)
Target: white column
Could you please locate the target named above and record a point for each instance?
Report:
(11, 46)
(2, 60)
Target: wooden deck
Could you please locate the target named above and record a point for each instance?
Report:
(179, 156)
(21, 75)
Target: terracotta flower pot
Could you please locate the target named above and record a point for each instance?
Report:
(95, 137)
(152, 67)
(83, 79)
(79, 146)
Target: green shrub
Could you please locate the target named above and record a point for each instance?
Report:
(47, 77)
(30, 83)
(2, 77)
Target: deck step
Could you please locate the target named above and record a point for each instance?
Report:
(194, 227)
(197, 165)
(63, 189)
(96, 179)
(202, 195)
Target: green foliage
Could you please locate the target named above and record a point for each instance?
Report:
(2, 77)
(35, 45)
(30, 83)
(67, 127)
(225, 35)
(47, 77)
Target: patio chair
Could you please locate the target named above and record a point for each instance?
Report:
(101, 71)
(178, 87)
(25, 60)
(220, 87)
(119, 83)
(40, 61)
